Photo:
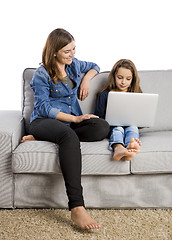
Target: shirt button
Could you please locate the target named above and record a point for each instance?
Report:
(69, 97)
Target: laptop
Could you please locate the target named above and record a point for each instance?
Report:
(126, 109)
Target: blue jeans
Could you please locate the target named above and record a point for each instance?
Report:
(122, 135)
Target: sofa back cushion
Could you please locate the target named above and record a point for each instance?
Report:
(28, 97)
(158, 81)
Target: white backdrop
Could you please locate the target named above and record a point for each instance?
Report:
(104, 30)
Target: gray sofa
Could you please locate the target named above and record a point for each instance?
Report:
(30, 174)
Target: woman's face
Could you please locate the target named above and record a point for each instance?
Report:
(123, 79)
(65, 54)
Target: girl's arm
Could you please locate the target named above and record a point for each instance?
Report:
(101, 103)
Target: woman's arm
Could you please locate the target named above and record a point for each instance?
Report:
(90, 69)
(85, 84)
(71, 118)
(41, 88)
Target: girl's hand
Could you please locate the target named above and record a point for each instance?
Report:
(81, 118)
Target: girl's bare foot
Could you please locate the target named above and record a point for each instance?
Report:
(132, 154)
(80, 216)
(28, 138)
(135, 144)
(120, 151)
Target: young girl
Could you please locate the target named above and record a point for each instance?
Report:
(124, 141)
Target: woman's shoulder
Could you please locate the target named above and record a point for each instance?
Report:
(40, 74)
(42, 70)
(75, 60)
(76, 63)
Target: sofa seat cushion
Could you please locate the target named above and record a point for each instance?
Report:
(42, 157)
(155, 155)
(97, 160)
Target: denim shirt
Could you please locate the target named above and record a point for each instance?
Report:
(51, 98)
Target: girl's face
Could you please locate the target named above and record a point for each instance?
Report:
(123, 79)
(64, 55)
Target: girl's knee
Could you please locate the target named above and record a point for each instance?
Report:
(119, 129)
(132, 129)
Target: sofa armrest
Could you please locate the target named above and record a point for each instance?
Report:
(11, 124)
(11, 132)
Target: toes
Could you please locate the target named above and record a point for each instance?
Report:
(93, 226)
(132, 150)
(87, 227)
(138, 141)
(98, 226)
(23, 139)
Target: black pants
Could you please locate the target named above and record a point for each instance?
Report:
(68, 139)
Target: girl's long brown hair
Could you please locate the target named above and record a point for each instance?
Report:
(128, 64)
(56, 40)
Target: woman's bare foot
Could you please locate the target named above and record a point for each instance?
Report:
(80, 216)
(120, 151)
(28, 138)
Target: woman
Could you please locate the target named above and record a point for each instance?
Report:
(57, 116)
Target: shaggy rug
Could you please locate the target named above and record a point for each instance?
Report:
(54, 224)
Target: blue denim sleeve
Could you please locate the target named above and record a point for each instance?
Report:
(41, 89)
(86, 66)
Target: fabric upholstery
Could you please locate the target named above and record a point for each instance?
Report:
(11, 126)
(42, 157)
(155, 157)
(156, 154)
(159, 82)
(28, 97)
(128, 191)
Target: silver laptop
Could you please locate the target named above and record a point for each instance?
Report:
(126, 109)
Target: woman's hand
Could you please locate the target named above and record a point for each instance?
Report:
(85, 84)
(84, 89)
(81, 118)
(71, 118)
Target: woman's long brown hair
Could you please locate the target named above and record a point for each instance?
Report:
(128, 64)
(56, 40)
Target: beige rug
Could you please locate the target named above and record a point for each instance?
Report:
(50, 224)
